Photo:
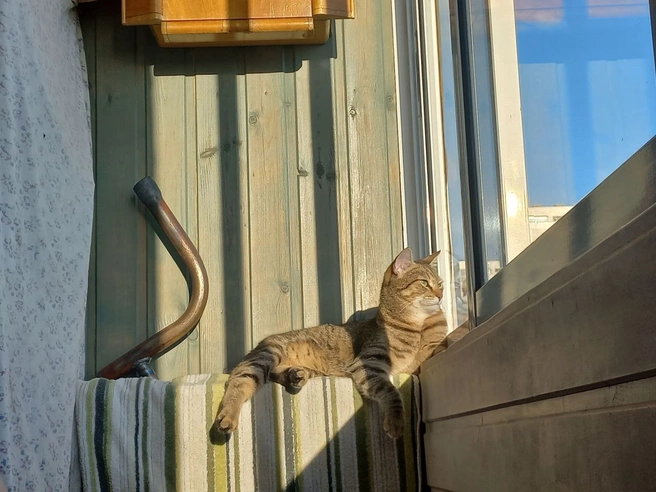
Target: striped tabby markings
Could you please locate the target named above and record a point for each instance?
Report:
(405, 447)
(362, 429)
(381, 451)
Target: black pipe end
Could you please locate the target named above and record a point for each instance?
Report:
(148, 191)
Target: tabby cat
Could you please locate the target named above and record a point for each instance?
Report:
(367, 351)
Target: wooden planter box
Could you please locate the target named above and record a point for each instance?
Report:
(178, 23)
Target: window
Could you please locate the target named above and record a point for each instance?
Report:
(527, 107)
(586, 73)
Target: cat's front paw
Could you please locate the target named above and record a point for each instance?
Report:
(394, 423)
(226, 421)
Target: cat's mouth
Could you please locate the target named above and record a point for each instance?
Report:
(432, 305)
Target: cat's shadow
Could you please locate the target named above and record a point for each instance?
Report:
(217, 437)
(363, 314)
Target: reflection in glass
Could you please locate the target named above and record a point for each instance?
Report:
(451, 150)
(588, 93)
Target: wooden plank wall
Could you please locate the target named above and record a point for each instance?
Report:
(282, 163)
(558, 391)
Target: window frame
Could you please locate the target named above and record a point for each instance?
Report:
(485, 29)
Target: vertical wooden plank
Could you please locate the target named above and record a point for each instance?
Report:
(268, 192)
(376, 219)
(174, 170)
(88, 24)
(191, 156)
(121, 307)
(290, 163)
(305, 166)
(393, 161)
(222, 138)
(318, 184)
(210, 234)
(342, 165)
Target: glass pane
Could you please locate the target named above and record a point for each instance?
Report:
(451, 150)
(588, 96)
(472, 66)
(547, 98)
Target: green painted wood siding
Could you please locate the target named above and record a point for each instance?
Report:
(282, 163)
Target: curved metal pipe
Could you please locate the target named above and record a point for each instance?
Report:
(167, 338)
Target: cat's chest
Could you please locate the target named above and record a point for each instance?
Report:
(402, 354)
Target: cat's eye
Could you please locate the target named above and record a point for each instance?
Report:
(424, 283)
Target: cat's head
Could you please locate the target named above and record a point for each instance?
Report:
(412, 290)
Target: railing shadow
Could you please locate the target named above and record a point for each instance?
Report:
(323, 172)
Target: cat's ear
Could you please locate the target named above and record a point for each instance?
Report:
(402, 262)
(430, 259)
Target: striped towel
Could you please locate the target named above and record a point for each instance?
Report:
(148, 435)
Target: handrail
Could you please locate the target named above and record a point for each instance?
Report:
(167, 338)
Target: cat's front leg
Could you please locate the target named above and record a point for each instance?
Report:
(372, 380)
(237, 391)
(244, 381)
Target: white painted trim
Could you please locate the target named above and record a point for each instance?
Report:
(512, 168)
(410, 128)
(438, 189)
(419, 106)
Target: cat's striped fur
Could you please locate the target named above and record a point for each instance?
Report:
(434, 336)
(368, 351)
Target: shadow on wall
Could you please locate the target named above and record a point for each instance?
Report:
(242, 142)
(238, 116)
(235, 195)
